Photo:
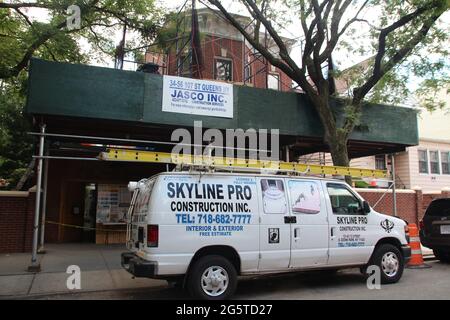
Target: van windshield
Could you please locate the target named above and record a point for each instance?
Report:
(439, 208)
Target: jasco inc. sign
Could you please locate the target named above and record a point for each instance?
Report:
(201, 97)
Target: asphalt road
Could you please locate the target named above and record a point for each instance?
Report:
(432, 283)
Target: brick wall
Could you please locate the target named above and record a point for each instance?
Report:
(218, 47)
(407, 207)
(16, 221)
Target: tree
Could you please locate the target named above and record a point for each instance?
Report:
(22, 36)
(404, 29)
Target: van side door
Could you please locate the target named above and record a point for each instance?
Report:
(309, 231)
(349, 241)
(274, 227)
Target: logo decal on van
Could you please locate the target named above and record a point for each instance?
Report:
(274, 235)
(387, 225)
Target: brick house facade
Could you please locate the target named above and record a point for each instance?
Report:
(222, 45)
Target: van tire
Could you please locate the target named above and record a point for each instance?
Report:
(382, 258)
(198, 271)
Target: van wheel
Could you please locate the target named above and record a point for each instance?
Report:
(212, 278)
(390, 261)
(443, 256)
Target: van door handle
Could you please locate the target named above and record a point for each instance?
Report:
(296, 234)
(332, 233)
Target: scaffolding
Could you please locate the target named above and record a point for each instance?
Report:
(136, 152)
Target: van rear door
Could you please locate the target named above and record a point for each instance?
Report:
(137, 216)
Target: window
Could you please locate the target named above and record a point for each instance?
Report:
(423, 161)
(434, 162)
(380, 162)
(273, 195)
(223, 70)
(445, 161)
(305, 196)
(343, 201)
(184, 65)
(248, 74)
(273, 81)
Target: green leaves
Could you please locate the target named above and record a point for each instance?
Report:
(22, 36)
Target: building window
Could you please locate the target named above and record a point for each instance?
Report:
(434, 162)
(423, 161)
(223, 70)
(273, 81)
(248, 75)
(445, 161)
(380, 162)
(184, 65)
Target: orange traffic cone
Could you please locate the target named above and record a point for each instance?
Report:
(416, 261)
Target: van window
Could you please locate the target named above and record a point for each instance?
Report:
(439, 208)
(305, 196)
(143, 198)
(343, 201)
(273, 196)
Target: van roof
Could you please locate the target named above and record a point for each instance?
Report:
(244, 175)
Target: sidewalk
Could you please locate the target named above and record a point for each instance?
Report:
(99, 264)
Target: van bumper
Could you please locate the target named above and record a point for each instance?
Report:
(137, 266)
(406, 252)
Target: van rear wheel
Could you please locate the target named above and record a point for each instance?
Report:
(212, 278)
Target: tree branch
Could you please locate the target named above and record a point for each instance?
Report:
(380, 69)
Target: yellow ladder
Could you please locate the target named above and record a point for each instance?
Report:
(236, 164)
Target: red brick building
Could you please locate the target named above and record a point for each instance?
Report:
(227, 56)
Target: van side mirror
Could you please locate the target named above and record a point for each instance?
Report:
(366, 207)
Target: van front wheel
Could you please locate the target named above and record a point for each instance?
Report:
(390, 261)
(212, 278)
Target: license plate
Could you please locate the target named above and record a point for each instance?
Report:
(445, 229)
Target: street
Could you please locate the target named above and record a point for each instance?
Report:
(432, 284)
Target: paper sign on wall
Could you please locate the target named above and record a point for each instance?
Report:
(201, 97)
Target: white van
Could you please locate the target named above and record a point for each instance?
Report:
(203, 230)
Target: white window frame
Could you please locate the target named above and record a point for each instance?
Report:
(440, 161)
(428, 162)
(225, 59)
(274, 74)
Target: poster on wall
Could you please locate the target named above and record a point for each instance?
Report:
(112, 203)
(200, 97)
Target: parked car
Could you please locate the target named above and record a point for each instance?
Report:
(435, 228)
(203, 230)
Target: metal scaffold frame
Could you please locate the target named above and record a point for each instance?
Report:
(198, 163)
